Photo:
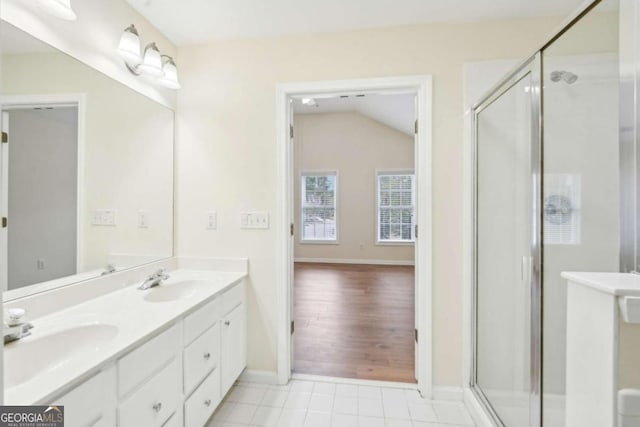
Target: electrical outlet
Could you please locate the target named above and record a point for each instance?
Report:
(212, 221)
(143, 219)
(40, 264)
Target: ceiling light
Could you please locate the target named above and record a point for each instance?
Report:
(152, 63)
(129, 46)
(170, 76)
(310, 102)
(59, 8)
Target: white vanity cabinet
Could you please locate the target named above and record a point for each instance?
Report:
(177, 378)
(92, 403)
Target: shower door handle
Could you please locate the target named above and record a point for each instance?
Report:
(525, 271)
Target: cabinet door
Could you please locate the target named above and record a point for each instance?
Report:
(233, 346)
(92, 403)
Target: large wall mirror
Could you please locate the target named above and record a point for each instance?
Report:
(86, 175)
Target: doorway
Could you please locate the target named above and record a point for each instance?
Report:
(42, 153)
(288, 216)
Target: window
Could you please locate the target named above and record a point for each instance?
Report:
(318, 207)
(396, 207)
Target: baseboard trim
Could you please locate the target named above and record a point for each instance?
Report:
(355, 261)
(354, 381)
(259, 377)
(474, 407)
(448, 393)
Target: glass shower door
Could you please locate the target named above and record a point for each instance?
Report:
(507, 140)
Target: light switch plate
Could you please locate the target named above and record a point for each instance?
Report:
(104, 217)
(212, 221)
(143, 219)
(254, 220)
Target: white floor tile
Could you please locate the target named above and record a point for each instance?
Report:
(367, 392)
(422, 424)
(345, 405)
(298, 386)
(413, 396)
(297, 400)
(347, 390)
(317, 419)
(266, 416)
(392, 422)
(325, 388)
(370, 408)
(321, 403)
(292, 418)
(222, 413)
(250, 395)
(285, 387)
(370, 421)
(396, 408)
(275, 398)
(241, 413)
(393, 394)
(452, 413)
(343, 420)
(422, 412)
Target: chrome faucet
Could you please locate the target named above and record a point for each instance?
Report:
(154, 279)
(15, 327)
(110, 268)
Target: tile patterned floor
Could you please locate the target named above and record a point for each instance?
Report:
(323, 404)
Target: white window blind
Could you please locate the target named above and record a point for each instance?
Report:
(396, 207)
(318, 207)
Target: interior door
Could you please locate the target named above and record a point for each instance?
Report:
(506, 299)
(290, 263)
(4, 203)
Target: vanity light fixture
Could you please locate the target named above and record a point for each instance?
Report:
(59, 8)
(151, 63)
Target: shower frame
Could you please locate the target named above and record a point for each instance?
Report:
(532, 65)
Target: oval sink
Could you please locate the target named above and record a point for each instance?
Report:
(175, 291)
(36, 354)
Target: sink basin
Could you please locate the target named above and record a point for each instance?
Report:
(175, 291)
(36, 354)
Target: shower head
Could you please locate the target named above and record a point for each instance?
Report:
(566, 76)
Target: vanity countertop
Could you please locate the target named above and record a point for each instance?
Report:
(123, 317)
(618, 284)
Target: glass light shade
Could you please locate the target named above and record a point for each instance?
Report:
(151, 62)
(170, 78)
(129, 46)
(59, 8)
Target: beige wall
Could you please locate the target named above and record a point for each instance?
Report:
(227, 149)
(354, 146)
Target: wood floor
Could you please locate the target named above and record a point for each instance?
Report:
(354, 321)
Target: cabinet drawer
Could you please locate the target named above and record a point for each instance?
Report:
(232, 298)
(201, 357)
(92, 403)
(199, 321)
(142, 362)
(154, 402)
(174, 421)
(199, 407)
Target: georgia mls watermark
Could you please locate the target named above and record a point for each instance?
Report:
(31, 416)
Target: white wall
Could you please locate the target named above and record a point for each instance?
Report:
(42, 195)
(227, 149)
(355, 147)
(94, 37)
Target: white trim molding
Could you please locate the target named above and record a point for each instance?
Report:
(259, 377)
(422, 87)
(356, 261)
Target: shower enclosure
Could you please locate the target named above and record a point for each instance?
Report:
(555, 147)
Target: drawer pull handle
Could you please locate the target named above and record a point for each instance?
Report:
(157, 406)
(226, 322)
(207, 402)
(207, 356)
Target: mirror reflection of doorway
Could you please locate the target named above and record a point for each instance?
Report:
(40, 193)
